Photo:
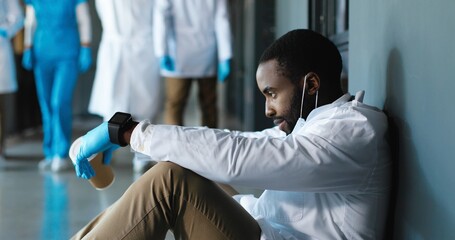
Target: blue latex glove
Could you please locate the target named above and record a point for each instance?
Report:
(167, 63)
(27, 59)
(95, 141)
(85, 59)
(3, 33)
(224, 68)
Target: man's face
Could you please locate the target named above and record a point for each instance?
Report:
(282, 97)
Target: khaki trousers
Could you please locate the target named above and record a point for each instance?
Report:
(177, 92)
(171, 197)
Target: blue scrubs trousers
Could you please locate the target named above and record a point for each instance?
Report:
(55, 82)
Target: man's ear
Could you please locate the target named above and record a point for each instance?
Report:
(312, 82)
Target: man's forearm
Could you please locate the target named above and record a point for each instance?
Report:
(127, 134)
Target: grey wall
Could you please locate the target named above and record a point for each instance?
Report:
(403, 54)
(290, 14)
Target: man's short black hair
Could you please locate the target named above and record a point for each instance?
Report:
(301, 51)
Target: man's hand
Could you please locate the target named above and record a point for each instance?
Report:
(94, 142)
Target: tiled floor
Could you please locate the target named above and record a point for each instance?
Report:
(45, 205)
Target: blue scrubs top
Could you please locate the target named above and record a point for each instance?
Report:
(56, 36)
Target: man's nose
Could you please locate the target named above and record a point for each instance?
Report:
(269, 111)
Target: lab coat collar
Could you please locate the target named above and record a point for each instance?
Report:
(340, 101)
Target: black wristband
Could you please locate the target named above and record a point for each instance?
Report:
(117, 126)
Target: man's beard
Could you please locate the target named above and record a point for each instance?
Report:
(293, 114)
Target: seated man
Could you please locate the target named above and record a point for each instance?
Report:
(324, 167)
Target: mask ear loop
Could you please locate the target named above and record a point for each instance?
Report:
(303, 96)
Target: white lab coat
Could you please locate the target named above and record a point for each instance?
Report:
(12, 20)
(328, 179)
(127, 76)
(195, 33)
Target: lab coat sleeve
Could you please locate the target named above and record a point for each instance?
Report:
(269, 132)
(84, 23)
(14, 18)
(30, 25)
(223, 31)
(162, 21)
(305, 162)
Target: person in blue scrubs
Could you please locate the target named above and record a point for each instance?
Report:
(57, 38)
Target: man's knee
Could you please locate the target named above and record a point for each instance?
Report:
(160, 180)
(174, 176)
(166, 168)
(165, 173)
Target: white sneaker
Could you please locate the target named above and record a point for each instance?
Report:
(61, 164)
(45, 164)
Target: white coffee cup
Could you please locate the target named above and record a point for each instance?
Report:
(104, 176)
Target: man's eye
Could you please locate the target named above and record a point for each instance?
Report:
(272, 94)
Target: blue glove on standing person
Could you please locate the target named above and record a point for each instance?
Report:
(27, 59)
(3, 33)
(167, 63)
(95, 141)
(85, 59)
(224, 68)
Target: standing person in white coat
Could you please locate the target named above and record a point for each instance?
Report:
(127, 75)
(325, 167)
(193, 41)
(11, 21)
